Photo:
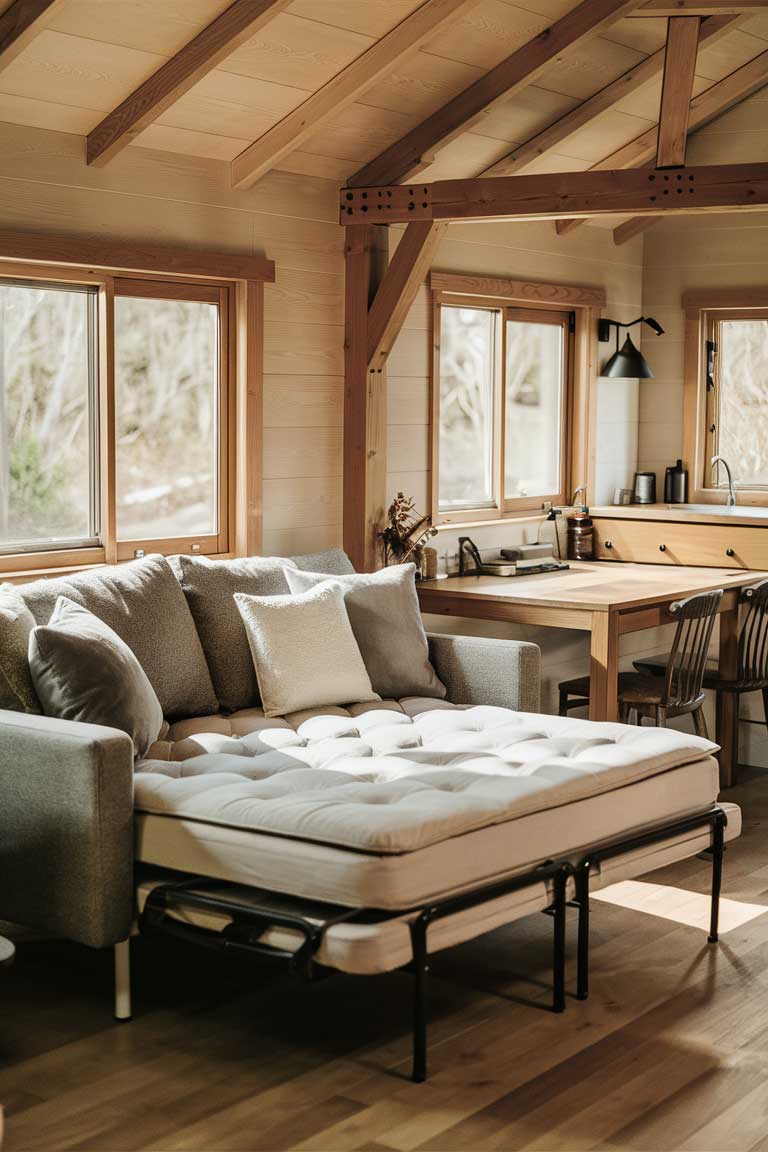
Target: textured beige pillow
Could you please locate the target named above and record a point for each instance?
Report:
(17, 691)
(304, 650)
(384, 613)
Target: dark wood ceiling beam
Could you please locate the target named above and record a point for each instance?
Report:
(562, 194)
(20, 24)
(677, 90)
(550, 137)
(515, 72)
(698, 8)
(219, 39)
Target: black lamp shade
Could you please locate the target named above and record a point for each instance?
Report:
(627, 364)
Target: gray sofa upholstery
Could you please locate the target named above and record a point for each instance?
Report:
(66, 793)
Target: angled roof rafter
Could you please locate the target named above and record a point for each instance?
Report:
(677, 90)
(236, 24)
(20, 24)
(514, 73)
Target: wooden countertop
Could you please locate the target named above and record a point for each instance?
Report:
(750, 516)
(595, 586)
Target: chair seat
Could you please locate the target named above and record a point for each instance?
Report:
(634, 688)
(657, 666)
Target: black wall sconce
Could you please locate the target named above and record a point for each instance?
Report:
(627, 362)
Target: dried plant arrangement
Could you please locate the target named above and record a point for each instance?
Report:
(406, 533)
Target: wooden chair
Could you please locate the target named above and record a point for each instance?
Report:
(681, 689)
(752, 669)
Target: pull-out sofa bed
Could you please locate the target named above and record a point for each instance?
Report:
(360, 837)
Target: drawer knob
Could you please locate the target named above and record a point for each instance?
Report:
(662, 547)
(730, 552)
(609, 543)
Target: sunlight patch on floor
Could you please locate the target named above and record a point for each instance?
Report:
(676, 904)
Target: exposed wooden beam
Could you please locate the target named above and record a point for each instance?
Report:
(330, 100)
(697, 8)
(677, 90)
(163, 88)
(627, 231)
(550, 137)
(739, 85)
(407, 271)
(20, 24)
(82, 252)
(564, 194)
(508, 77)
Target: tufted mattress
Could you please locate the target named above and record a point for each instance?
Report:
(387, 806)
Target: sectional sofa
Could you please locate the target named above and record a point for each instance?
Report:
(359, 837)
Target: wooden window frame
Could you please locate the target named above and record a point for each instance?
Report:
(703, 309)
(236, 283)
(529, 300)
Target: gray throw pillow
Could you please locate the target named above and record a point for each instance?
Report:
(17, 691)
(143, 603)
(83, 671)
(210, 587)
(384, 613)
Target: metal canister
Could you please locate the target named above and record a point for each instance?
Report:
(581, 539)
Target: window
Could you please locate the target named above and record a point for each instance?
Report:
(725, 410)
(737, 396)
(503, 397)
(115, 419)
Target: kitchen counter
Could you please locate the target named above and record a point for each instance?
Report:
(749, 515)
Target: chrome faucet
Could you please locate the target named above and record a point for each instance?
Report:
(580, 488)
(731, 493)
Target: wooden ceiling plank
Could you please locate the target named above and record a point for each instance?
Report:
(288, 135)
(593, 193)
(406, 272)
(222, 36)
(19, 25)
(697, 8)
(737, 86)
(512, 74)
(550, 137)
(677, 90)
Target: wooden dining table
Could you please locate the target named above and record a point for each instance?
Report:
(606, 599)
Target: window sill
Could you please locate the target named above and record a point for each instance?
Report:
(24, 576)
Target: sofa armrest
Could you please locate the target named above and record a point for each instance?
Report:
(66, 827)
(481, 670)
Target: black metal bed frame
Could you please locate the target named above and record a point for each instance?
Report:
(250, 921)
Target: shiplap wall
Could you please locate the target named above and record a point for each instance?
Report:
(527, 251)
(171, 199)
(718, 250)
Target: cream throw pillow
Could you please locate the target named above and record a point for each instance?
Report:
(304, 650)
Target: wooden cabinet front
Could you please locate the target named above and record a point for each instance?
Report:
(674, 542)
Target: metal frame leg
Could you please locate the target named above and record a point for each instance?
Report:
(718, 847)
(582, 902)
(558, 941)
(420, 971)
(122, 951)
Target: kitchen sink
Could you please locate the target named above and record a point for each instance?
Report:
(743, 510)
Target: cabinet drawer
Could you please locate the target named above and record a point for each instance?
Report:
(667, 542)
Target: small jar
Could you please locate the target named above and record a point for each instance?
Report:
(581, 539)
(429, 564)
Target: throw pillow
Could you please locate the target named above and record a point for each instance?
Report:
(210, 586)
(143, 603)
(304, 650)
(82, 670)
(17, 691)
(384, 613)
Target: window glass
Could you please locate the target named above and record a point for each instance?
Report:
(48, 417)
(467, 370)
(166, 406)
(742, 420)
(534, 383)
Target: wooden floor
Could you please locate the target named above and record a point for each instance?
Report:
(670, 1052)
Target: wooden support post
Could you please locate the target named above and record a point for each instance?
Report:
(677, 90)
(247, 333)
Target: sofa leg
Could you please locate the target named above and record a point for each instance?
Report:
(420, 970)
(123, 980)
(558, 941)
(718, 848)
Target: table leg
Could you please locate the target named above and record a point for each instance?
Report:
(728, 702)
(604, 666)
